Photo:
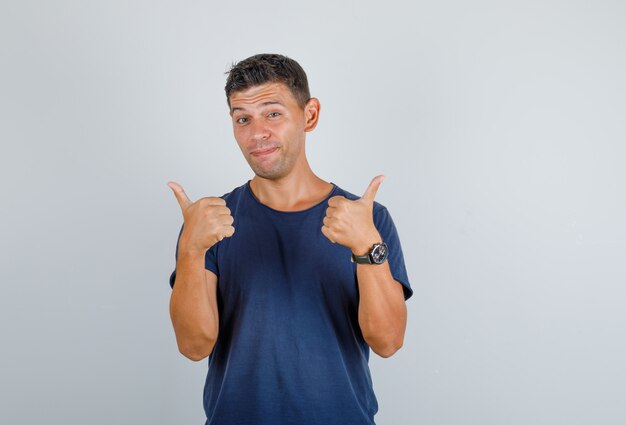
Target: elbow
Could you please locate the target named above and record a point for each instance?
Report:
(387, 350)
(383, 340)
(195, 356)
(197, 350)
(385, 346)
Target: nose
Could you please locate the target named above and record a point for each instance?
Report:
(260, 131)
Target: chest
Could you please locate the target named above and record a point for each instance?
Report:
(274, 260)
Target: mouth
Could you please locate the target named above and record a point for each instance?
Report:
(264, 152)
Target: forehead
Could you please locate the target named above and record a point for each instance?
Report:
(262, 94)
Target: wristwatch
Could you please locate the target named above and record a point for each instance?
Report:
(377, 255)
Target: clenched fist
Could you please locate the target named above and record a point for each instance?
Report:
(206, 221)
(351, 223)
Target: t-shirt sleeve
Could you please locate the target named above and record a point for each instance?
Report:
(210, 259)
(387, 229)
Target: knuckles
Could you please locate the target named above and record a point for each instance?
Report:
(336, 201)
(211, 210)
(211, 200)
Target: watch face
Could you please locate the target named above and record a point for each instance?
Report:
(379, 253)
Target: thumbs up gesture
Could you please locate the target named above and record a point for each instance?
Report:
(351, 223)
(206, 221)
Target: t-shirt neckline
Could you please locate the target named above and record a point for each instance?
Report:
(323, 201)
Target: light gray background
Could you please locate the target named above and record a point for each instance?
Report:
(500, 126)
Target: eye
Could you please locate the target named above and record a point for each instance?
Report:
(242, 120)
(274, 114)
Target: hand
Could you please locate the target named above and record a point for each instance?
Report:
(207, 221)
(351, 223)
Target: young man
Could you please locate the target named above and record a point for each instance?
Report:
(287, 281)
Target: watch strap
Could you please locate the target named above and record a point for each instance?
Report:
(361, 259)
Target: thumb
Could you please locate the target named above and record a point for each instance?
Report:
(181, 196)
(370, 192)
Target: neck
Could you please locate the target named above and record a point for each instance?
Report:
(299, 190)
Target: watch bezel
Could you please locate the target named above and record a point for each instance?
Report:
(379, 258)
(371, 257)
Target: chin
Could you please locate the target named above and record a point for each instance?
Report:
(274, 173)
(269, 175)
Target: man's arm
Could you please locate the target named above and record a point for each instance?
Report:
(382, 310)
(193, 306)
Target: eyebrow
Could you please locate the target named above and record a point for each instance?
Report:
(271, 102)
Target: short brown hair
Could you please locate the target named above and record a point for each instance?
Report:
(268, 68)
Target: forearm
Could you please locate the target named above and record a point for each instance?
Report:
(382, 310)
(193, 307)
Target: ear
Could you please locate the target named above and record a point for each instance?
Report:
(311, 114)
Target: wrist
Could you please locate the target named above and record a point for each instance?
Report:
(190, 251)
(188, 245)
(377, 254)
(364, 246)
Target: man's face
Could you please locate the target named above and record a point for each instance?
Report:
(269, 127)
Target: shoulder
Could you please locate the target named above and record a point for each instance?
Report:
(339, 191)
(235, 194)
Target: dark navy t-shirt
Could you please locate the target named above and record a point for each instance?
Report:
(289, 349)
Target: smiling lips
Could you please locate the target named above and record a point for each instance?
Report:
(264, 152)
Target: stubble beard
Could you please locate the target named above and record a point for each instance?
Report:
(280, 168)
